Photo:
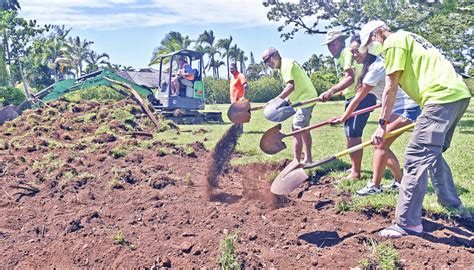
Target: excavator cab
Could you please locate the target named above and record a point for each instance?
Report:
(191, 91)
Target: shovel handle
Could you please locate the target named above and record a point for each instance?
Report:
(256, 108)
(368, 109)
(357, 147)
(301, 103)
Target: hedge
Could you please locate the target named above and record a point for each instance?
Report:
(11, 95)
(263, 89)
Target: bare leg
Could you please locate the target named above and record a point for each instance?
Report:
(306, 136)
(297, 146)
(356, 157)
(383, 156)
(394, 166)
(175, 86)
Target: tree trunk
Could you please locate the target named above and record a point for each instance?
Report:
(3, 67)
(25, 84)
(7, 58)
(228, 70)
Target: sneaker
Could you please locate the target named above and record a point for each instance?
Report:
(369, 190)
(392, 186)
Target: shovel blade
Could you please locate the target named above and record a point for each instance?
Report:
(289, 179)
(278, 110)
(271, 141)
(239, 112)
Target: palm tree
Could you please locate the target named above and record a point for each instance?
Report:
(217, 64)
(256, 71)
(173, 41)
(313, 64)
(210, 49)
(95, 61)
(241, 58)
(75, 52)
(225, 45)
(60, 32)
(52, 52)
(9, 5)
(114, 67)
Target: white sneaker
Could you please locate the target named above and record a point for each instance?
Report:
(369, 190)
(392, 186)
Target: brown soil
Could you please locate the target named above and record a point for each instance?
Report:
(63, 198)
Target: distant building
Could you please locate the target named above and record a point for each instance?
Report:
(147, 77)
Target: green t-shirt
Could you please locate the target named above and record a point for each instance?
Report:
(345, 61)
(427, 77)
(304, 88)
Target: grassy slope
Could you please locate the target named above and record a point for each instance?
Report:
(329, 140)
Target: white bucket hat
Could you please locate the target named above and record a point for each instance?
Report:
(333, 35)
(367, 29)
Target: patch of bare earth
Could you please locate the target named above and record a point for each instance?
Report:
(63, 198)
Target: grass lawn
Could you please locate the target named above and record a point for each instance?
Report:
(329, 140)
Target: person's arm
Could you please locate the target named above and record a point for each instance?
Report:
(349, 78)
(290, 86)
(361, 93)
(246, 88)
(388, 101)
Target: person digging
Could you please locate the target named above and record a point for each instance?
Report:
(405, 112)
(298, 88)
(353, 126)
(431, 81)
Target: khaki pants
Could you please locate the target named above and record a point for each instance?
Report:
(432, 136)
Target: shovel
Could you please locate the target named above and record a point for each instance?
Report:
(239, 111)
(271, 141)
(294, 175)
(278, 110)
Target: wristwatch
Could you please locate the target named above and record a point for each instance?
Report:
(383, 122)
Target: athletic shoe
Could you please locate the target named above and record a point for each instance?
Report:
(369, 190)
(392, 186)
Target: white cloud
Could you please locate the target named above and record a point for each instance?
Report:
(116, 14)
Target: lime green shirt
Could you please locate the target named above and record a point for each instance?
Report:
(345, 61)
(427, 77)
(304, 88)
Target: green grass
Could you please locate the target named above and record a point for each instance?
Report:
(381, 256)
(329, 140)
(227, 259)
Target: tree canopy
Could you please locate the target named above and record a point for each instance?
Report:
(446, 25)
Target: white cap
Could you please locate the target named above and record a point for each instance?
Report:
(333, 35)
(367, 29)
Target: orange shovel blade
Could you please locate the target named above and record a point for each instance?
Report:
(239, 112)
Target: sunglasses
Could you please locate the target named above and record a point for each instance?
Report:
(266, 59)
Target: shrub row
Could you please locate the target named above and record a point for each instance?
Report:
(11, 95)
(263, 89)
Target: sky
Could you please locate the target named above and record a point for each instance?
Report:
(129, 30)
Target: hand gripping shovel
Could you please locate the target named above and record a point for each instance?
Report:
(271, 141)
(293, 175)
(239, 111)
(278, 110)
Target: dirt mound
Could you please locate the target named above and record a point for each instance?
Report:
(72, 197)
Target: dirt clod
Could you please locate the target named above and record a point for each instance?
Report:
(73, 226)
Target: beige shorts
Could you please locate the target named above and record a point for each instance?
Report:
(302, 117)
